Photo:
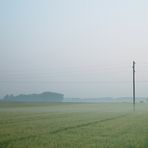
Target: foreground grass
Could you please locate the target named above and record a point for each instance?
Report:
(67, 125)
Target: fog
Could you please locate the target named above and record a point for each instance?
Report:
(82, 48)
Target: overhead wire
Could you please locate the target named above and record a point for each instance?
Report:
(51, 76)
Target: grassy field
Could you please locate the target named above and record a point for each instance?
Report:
(71, 125)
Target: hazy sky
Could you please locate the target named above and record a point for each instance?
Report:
(82, 48)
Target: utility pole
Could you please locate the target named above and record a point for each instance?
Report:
(134, 86)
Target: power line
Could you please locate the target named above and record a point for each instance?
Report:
(72, 82)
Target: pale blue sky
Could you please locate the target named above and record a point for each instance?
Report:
(73, 40)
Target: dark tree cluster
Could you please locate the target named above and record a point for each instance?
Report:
(43, 97)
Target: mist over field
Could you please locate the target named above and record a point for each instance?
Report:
(68, 125)
(73, 74)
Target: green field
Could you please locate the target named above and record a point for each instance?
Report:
(71, 125)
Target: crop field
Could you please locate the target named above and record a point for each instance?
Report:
(73, 125)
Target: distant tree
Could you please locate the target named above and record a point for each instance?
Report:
(43, 97)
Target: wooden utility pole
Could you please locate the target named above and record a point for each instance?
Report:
(134, 86)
